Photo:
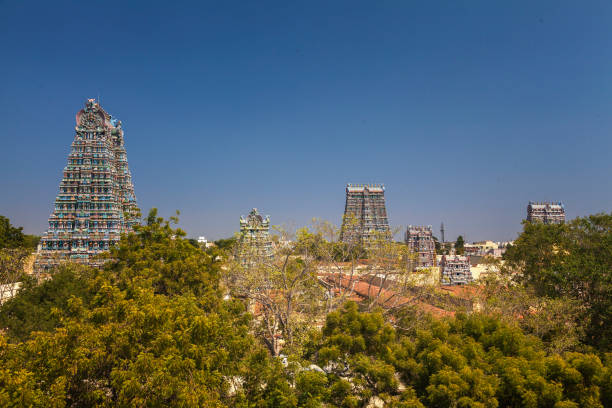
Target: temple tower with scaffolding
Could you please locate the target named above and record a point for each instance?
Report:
(96, 201)
(365, 213)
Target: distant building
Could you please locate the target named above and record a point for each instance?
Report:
(204, 243)
(455, 270)
(255, 244)
(546, 213)
(486, 248)
(483, 269)
(365, 213)
(421, 243)
(480, 248)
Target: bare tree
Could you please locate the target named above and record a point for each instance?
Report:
(282, 289)
(12, 263)
(378, 271)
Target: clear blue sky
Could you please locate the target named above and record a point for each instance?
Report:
(464, 110)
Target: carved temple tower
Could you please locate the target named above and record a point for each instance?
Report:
(546, 212)
(365, 213)
(422, 245)
(255, 245)
(96, 201)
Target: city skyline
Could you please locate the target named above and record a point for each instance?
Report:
(279, 107)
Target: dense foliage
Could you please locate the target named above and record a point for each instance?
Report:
(467, 361)
(15, 252)
(226, 244)
(150, 329)
(36, 308)
(13, 237)
(574, 261)
(460, 245)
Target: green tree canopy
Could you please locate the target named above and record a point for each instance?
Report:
(460, 245)
(12, 237)
(150, 329)
(226, 244)
(465, 361)
(571, 260)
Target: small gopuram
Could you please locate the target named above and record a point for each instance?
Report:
(421, 244)
(96, 201)
(546, 212)
(365, 213)
(255, 245)
(455, 270)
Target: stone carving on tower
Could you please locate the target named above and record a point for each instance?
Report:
(96, 201)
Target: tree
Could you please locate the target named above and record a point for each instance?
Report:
(282, 290)
(381, 264)
(36, 307)
(473, 360)
(316, 274)
(194, 242)
(459, 245)
(572, 260)
(226, 244)
(15, 248)
(555, 321)
(149, 329)
(12, 271)
(11, 237)
(337, 259)
(392, 282)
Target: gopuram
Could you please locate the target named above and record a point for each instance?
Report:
(96, 201)
(255, 245)
(365, 214)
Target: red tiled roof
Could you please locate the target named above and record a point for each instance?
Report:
(385, 297)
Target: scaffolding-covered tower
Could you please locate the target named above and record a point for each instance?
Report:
(455, 270)
(421, 243)
(546, 212)
(255, 245)
(365, 213)
(96, 201)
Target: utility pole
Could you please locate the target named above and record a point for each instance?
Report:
(442, 232)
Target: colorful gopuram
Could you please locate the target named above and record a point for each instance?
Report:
(255, 245)
(96, 201)
(455, 270)
(421, 244)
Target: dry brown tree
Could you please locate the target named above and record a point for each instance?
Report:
(280, 288)
(12, 271)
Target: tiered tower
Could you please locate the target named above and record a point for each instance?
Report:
(255, 245)
(420, 242)
(545, 212)
(455, 270)
(365, 213)
(96, 201)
